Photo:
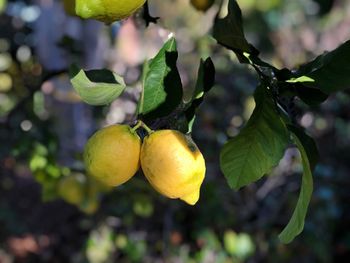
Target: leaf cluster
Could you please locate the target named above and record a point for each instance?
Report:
(161, 101)
(272, 127)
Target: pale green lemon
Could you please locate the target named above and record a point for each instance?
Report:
(173, 165)
(112, 155)
(107, 11)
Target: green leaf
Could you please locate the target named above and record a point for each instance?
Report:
(300, 79)
(97, 87)
(309, 155)
(328, 72)
(205, 81)
(310, 96)
(162, 87)
(229, 32)
(259, 146)
(205, 78)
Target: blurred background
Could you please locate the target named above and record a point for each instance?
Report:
(44, 126)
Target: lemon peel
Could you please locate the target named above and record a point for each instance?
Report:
(112, 155)
(107, 11)
(173, 165)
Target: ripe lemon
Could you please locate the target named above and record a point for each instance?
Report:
(173, 165)
(112, 155)
(71, 189)
(107, 11)
(202, 5)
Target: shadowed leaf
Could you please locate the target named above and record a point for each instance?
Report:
(259, 146)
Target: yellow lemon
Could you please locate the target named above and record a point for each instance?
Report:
(71, 189)
(112, 155)
(173, 165)
(202, 5)
(107, 11)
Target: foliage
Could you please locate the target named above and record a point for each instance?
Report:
(97, 87)
(328, 72)
(162, 88)
(134, 224)
(309, 154)
(261, 144)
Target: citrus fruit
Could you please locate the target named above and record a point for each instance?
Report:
(202, 5)
(173, 165)
(71, 189)
(107, 11)
(112, 155)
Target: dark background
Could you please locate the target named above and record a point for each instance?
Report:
(44, 124)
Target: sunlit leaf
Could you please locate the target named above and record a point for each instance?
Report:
(162, 88)
(300, 79)
(97, 87)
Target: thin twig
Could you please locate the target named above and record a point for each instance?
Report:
(147, 16)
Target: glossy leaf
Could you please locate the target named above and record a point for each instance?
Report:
(229, 32)
(97, 87)
(259, 146)
(205, 81)
(310, 96)
(162, 88)
(309, 156)
(328, 72)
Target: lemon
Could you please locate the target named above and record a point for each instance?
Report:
(107, 11)
(202, 5)
(112, 155)
(71, 189)
(173, 165)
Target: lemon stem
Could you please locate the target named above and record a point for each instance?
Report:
(138, 125)
(148, 129)
(143, 125)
